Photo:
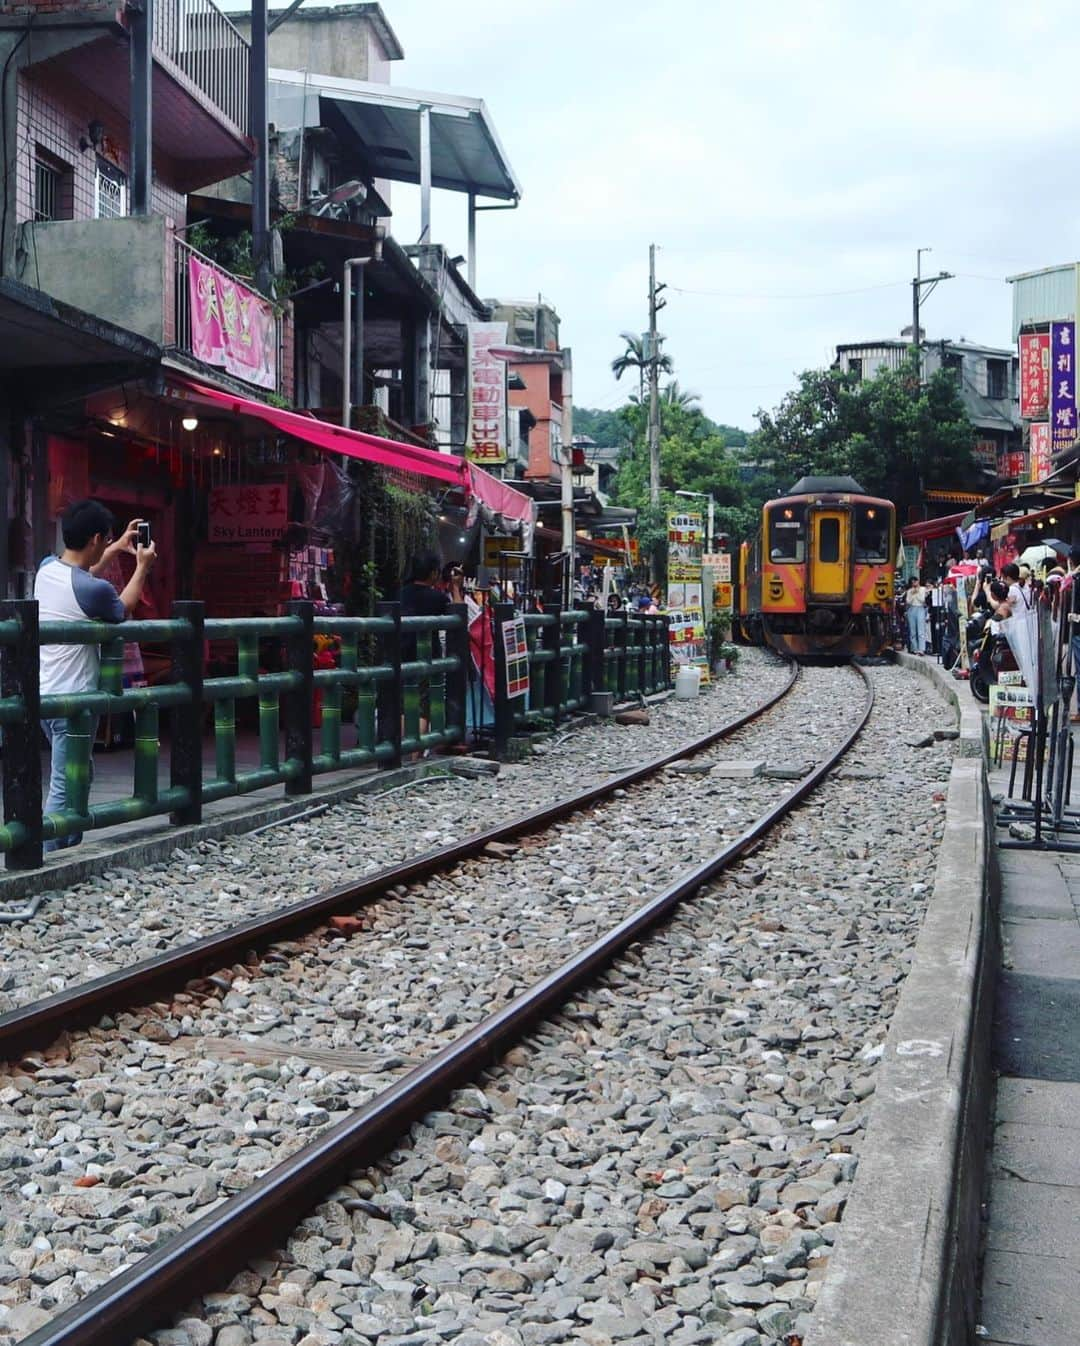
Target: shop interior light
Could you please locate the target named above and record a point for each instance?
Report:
(1039, 524)
(190, 422)
(1053, 518)
(218, 451)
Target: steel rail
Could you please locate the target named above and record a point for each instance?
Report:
(35, 1025)
(218, 1244)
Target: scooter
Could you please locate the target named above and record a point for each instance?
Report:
(988, 655)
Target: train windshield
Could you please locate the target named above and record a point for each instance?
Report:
(787, 533)
(872, 529)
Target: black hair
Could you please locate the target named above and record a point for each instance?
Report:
(83, 520)
(1074, 552)
(999, 590)
(1011, 571)
(426, 564)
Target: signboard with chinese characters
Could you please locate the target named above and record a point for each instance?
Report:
(1012, 465)
(231, 326)
(247, 513)
(986, 453)
(720, 562)
(685, 538)
(516, 649)
(1062, 385)
(1040, 450)
(486, 439)
(1034, 375)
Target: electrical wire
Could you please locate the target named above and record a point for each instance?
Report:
(806, 294)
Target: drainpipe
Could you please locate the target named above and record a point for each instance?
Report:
(352, 325)
(141, 22)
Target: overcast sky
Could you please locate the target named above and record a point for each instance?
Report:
(787, 158)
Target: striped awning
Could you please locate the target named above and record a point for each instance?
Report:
(956, 497)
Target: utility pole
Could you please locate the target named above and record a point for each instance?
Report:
(917, 284)
(652, 355)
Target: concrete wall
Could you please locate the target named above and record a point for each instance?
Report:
(114, 269)
(903, 1272)
(348, 42)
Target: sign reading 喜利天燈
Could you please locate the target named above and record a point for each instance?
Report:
(1062, 385)
(1034, 375)
(231, 326)
(1040, 450)
(247, 513)
(486, 439)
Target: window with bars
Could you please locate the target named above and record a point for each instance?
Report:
(110, 191)
(52, 187)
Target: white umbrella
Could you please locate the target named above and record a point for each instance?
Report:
(1036, 555)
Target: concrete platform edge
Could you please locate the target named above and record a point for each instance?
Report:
(154, 846)
(903, 1272)
(974, 732)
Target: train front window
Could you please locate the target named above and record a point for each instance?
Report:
(829, 541)
(872, 527)
(787, 534)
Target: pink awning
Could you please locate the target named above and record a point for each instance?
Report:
(472, 480)
(334, 438)
(498, 496)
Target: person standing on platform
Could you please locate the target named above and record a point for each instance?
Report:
(915, 602)
(68, 589)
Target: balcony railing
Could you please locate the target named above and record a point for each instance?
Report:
(210, 50)
(182, 257)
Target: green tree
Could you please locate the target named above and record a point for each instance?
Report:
(633, 357)
(674, 396)
(892, 433)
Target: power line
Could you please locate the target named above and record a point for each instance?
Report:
(811, 294)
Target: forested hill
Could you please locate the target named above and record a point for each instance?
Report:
(608, 427)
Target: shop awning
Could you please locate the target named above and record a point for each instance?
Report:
(400, 457)
(955, 497)
(930, 529)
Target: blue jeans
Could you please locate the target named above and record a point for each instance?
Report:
(916, 625)
(56, 731)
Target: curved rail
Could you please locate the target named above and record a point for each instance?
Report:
(40, 1022)
(138, 1299)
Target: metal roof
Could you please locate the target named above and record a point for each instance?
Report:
(466, 155)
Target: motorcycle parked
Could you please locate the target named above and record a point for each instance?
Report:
(988, 655)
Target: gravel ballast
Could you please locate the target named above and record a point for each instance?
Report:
(669, 1159)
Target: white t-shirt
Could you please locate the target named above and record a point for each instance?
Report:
(67, 593)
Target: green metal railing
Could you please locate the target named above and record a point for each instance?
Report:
(573, 654)
(402, 705)
(399, 687)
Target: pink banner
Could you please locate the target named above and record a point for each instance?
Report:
(1040, 450)
(231, 326)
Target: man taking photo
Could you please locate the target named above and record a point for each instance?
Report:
(68, 589)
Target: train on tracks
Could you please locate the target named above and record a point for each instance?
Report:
(817, 579)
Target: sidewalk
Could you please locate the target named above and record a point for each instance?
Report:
(1032, 1236)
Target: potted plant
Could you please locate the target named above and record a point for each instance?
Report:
(722, 653)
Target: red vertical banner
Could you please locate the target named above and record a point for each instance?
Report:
(1034, 375)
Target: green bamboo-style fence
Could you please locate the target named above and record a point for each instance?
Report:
(405, 681)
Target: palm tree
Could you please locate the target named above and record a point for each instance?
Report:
(674, 396)
(633, 357)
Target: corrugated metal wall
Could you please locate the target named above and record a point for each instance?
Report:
(1044, 296)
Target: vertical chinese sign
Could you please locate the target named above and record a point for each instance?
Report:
(686, 537)
(485, 442)
(1034, 375)
(1062, 385)
(231, 326)
(1040, 450)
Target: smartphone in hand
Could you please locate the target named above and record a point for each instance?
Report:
(143, 537)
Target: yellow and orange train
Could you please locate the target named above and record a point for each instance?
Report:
(817, 579)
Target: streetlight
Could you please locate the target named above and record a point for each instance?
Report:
(704, 495)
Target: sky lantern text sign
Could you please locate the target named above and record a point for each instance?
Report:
(247, 513)
(1062, 385)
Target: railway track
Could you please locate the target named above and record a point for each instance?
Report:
(35, 1025)
(226, 1237)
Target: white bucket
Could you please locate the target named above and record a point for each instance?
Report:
(687, 682)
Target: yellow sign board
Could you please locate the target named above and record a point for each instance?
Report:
(494, 548)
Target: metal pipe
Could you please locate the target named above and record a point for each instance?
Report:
(425, 173)
(258, 130)
(471, 274)
(137, 1299)
(141, 22)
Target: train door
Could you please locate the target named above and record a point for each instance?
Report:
(830, 548)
